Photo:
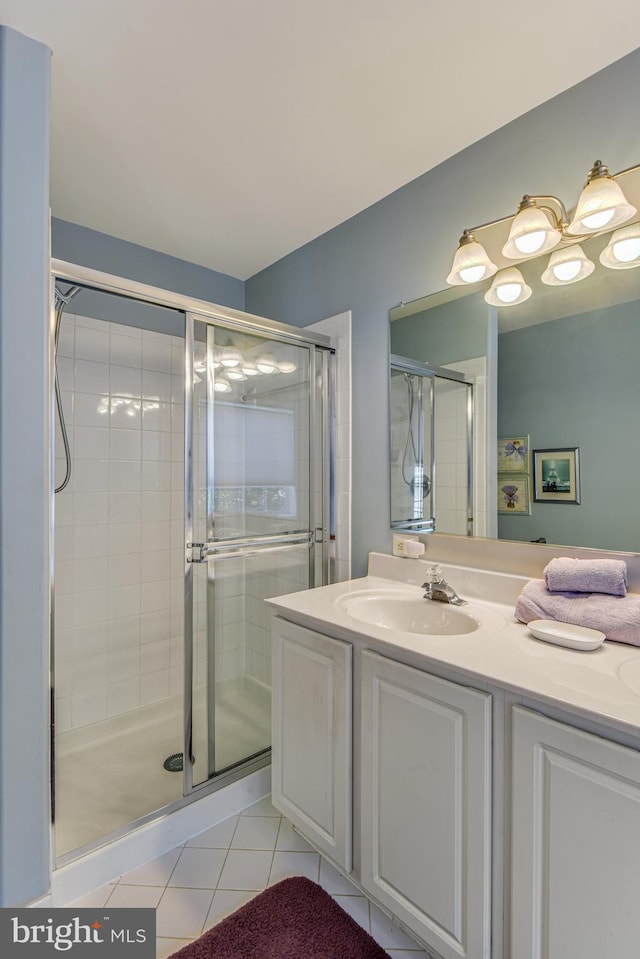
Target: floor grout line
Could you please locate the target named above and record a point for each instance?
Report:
(354, 893)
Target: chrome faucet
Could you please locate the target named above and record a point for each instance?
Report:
(437, 588)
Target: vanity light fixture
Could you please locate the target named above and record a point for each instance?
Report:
(230, 356)
(222, 385)
(623, 250)
(535, 229)
(267, 363)
(287, 366)
(602, 203)
(542, 224)
(567, 266)
(471, 262)
(508, 288)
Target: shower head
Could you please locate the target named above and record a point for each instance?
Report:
(65, 298)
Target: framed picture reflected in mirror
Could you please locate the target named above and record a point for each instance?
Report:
(556, 475)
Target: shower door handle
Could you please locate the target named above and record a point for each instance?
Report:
(200, 551)
(248, 547)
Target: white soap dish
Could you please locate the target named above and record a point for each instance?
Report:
(566, 634)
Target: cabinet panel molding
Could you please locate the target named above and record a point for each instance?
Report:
(575, 842)
(426, 804)
(312, 722)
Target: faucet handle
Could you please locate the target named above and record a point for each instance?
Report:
(434, 574)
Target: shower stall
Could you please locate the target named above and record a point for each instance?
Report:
(433, 420)
(192, 469)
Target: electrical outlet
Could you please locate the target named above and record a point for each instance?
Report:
(399, 539)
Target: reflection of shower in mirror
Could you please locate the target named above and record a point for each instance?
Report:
(431, 410)
(413, 473)
(411, 446)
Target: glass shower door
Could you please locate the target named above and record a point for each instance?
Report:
(257, 454)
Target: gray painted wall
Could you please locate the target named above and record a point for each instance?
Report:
(78, 244)
(443, 334)
(24, 467)
(550, 387)
(401, 248)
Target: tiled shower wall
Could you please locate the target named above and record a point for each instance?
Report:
(119, 527)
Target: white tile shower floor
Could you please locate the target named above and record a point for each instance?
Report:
(111, 773)
(195, 885)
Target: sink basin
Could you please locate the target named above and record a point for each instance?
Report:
(407, 612)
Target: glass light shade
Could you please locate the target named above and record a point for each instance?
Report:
(602, 204)
(287, 366)
(623, 249)
(250, 369)
(267, 363)
(230, 356)
(200, 357)
(567, 266)
(236, 374)
(508, 288)
(471, 262)
(222, 385)
(531, 233)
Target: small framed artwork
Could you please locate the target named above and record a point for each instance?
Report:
(513, 454)
(513, 494)
(556, 475)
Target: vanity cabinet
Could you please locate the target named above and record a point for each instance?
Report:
(312, 722)
(425, 792)
(575, 843)
(422, 767)
(496, 779)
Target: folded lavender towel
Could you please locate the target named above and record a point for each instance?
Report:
(586, 576)
(618, 617)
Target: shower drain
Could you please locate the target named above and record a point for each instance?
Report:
(174, 763)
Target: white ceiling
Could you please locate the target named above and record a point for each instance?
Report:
(230, 132)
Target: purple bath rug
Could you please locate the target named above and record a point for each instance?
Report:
(295, 919)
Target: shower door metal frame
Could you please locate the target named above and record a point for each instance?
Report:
(317, 533)
(234, 319)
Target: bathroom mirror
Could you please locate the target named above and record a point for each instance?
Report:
(560, 371)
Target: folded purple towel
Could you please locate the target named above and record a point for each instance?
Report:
(586, 576)
(618, 617)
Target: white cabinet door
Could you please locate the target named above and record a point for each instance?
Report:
(426, 804)
(575, 843)
(312, 721)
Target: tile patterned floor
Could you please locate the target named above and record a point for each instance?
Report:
(195, 885)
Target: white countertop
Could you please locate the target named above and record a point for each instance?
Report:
(602, 684)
